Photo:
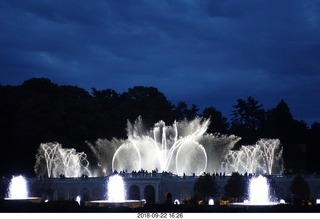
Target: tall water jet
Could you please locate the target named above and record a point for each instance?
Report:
(116, 189)
(259, 191)
(18, 188)
(116, 195)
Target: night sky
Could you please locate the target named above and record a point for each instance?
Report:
(208, 53)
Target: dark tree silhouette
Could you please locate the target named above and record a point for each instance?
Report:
(218, 122)
(299, 189)
(236, 187)
(247, 119)
(313, 155)
(248, 113)
(182, 111)
(292, 134)
(108, 100)
(147, 102)
(40, 111)
(109, 120)
(206, 187)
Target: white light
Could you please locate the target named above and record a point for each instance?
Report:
(318, 201)
(78, 199)
(259, 190)
(211, 202)
(116, 188)
(18, 188)
(176, 202)
(282, 201)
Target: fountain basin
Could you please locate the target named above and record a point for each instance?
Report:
(28, 199)
(245, 204)
(114, 204)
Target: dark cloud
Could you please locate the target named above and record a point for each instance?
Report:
(208, 53)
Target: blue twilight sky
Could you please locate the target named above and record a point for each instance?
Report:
(203, 52)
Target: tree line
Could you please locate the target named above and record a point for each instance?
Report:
(39, 111)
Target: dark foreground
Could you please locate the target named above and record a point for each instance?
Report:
(74, 207)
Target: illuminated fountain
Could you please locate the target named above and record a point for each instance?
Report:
(185, 147)
(182, 148)
(116, 195)
(259, 193)
(18, 190)
(265, 157)
(54, 161)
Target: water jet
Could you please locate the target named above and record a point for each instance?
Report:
(18, 191)
(183, 148)
(116, 195)
(259, 193)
